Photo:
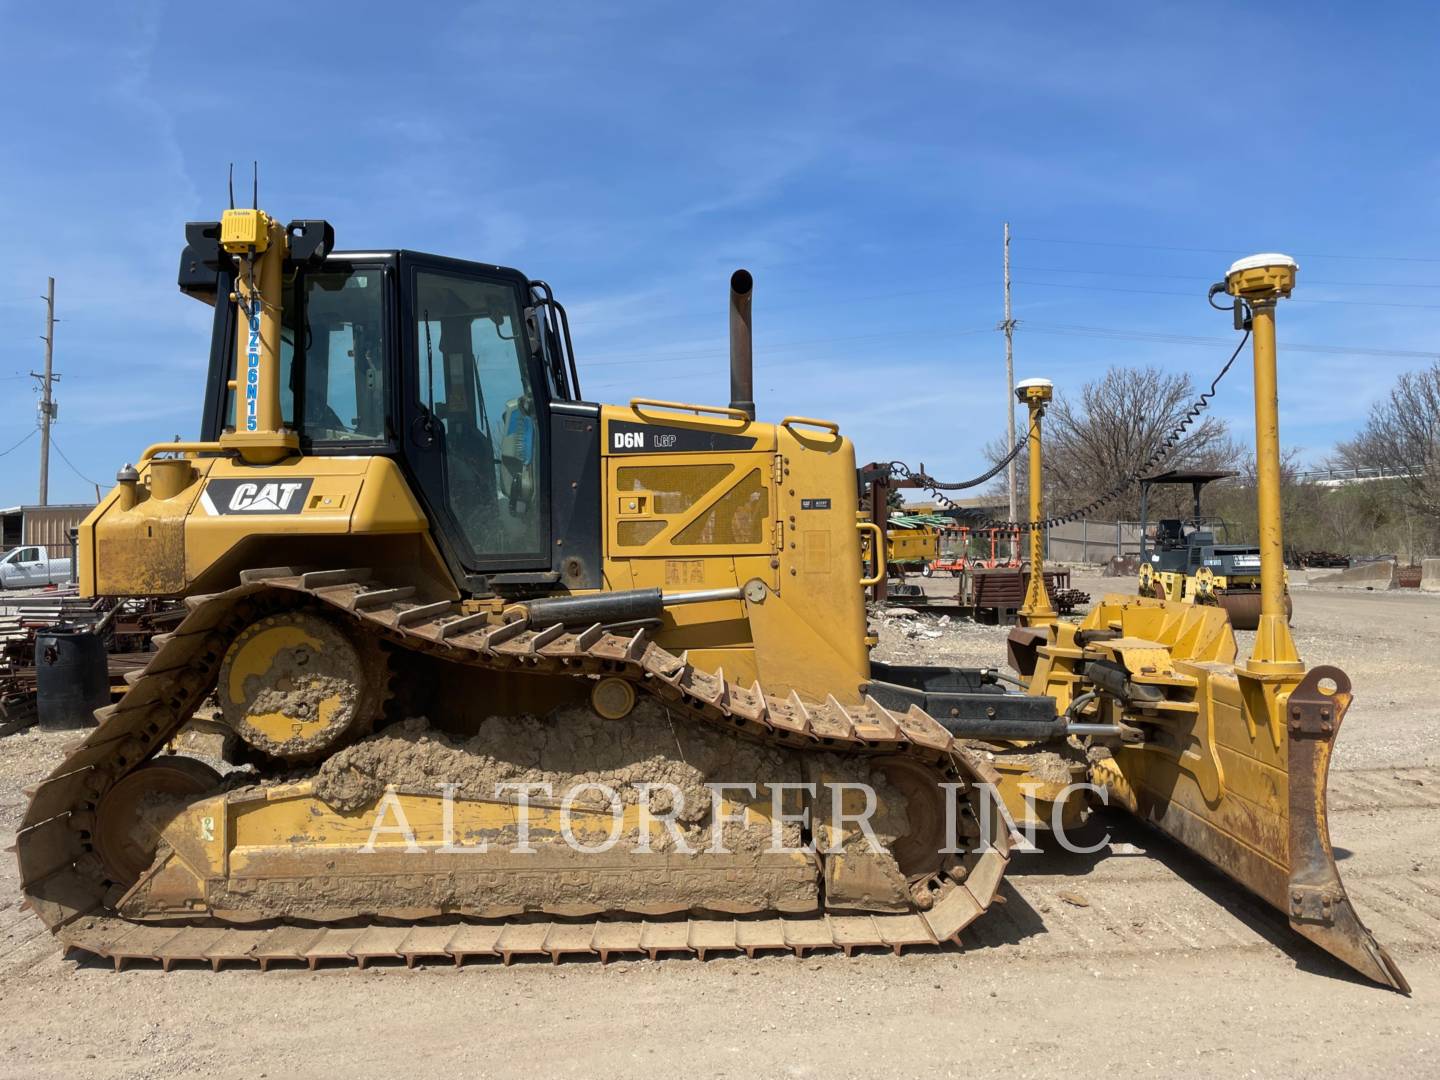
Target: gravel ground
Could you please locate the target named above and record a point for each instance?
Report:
(1094, 966)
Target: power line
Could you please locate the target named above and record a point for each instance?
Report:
(710, 354)
(67, 461)
(28, 436)
(1166, 292)
(830, 296)
(1197, 277)
(1188, 339)
(1075, 330)
(648, 382)
(1224, 251)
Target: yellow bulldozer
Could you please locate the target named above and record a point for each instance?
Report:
(504, 672)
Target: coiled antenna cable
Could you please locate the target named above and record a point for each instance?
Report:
(1166, 447)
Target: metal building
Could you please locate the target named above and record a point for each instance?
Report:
(49, 525)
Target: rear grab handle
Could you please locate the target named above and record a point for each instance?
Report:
(877, 551)
(806, 421)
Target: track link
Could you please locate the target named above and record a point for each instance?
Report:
(64, 882)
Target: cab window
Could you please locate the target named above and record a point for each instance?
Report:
(332, 356)
(340, 386)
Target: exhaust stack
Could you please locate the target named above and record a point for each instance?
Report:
(742, 364)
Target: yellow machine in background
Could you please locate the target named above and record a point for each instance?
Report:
(911, 543)
(911, 547)
(431, 588)
(1181, 559)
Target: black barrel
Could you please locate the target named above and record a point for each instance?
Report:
(72, 678)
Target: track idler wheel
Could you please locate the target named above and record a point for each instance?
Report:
(295, 686)
(919, 851)
(130, 817)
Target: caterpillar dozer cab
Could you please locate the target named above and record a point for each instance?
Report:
(506, 672)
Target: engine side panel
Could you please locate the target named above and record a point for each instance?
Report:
(703, 502)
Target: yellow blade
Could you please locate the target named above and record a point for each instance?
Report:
(1240, 780)
(1318, 906)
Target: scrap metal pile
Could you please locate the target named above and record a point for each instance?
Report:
(128, 627)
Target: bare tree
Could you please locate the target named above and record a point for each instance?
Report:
(1235, 503)
(1110, 429)
(1403, 434)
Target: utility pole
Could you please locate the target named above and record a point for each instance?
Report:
(1009, 327)
(47, 403)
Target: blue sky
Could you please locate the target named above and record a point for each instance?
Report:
(859, 159)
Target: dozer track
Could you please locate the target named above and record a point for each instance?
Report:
(64, 879)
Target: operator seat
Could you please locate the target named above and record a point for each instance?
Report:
(1170, 534)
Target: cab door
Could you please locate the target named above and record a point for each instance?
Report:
(476, 415)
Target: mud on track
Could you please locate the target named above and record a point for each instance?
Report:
(1129, 965)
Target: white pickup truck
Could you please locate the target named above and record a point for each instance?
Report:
(31, 567)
